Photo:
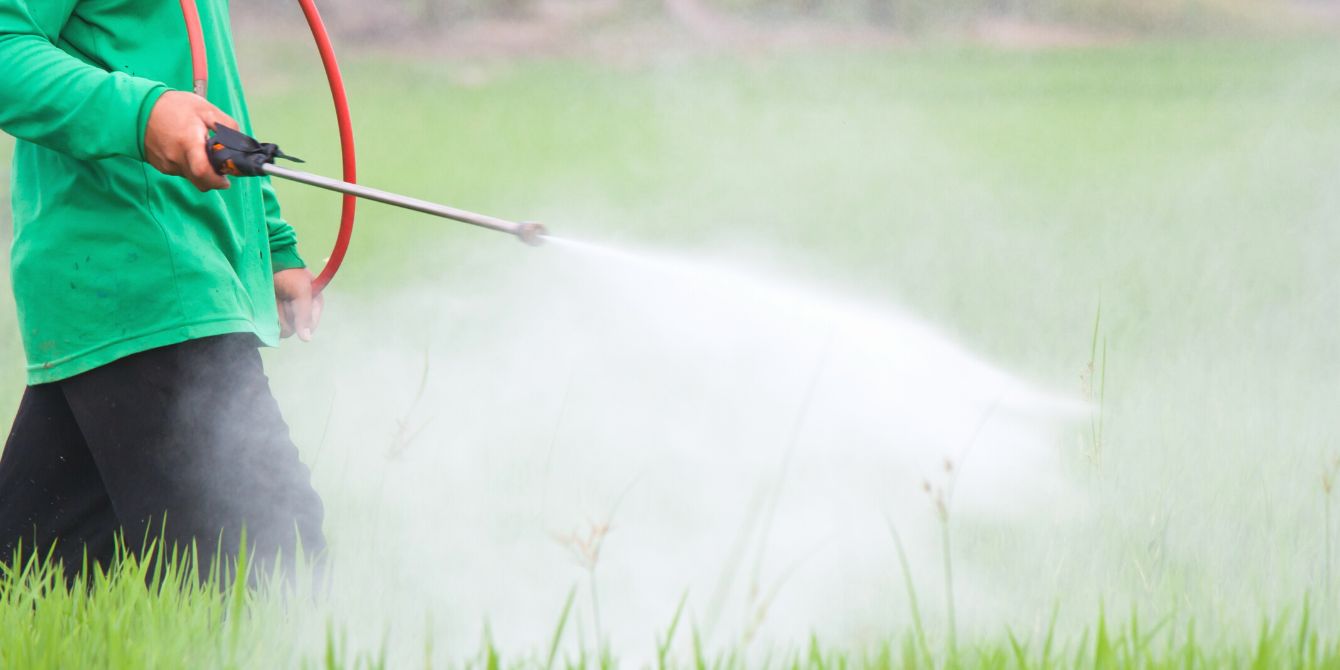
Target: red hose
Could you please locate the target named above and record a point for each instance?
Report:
(199, 60)
(200, 71)
(346, 125)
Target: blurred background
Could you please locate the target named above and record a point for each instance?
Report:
(1058, 276)
(560, 22)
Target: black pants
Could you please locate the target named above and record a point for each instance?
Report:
(183, 444)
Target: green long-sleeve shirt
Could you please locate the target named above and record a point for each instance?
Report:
(111, 257)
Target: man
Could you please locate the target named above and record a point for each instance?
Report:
(144, 283)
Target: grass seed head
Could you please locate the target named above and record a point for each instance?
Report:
(586, 547)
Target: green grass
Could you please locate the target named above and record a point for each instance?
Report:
(156, 614)
(139, 613)
(1187, 188)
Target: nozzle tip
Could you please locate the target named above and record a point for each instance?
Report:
(532, 233)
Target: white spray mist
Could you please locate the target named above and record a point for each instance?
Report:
(639, 427)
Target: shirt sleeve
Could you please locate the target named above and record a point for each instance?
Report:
(50, 98)
(283, 239)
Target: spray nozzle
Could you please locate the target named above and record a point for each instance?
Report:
(532, 233)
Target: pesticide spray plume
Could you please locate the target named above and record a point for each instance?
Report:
(692, 424)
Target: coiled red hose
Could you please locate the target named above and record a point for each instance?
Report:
(200, 76)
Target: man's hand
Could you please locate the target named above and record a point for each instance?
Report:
(175, 140)
(299, 310)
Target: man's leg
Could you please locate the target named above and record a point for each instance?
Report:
(190, 441)
(50, 489)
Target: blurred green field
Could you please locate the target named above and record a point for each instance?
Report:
(1189, 190)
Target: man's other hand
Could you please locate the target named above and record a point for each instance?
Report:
(174, 142)
(299, 310)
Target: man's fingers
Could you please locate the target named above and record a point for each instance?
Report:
(318, 306)
(285, 310)
(176, 134)
(202, 173)
(299, 306)
(217, 116)
(302, 315)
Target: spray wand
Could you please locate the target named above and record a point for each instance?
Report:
(236, 154)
